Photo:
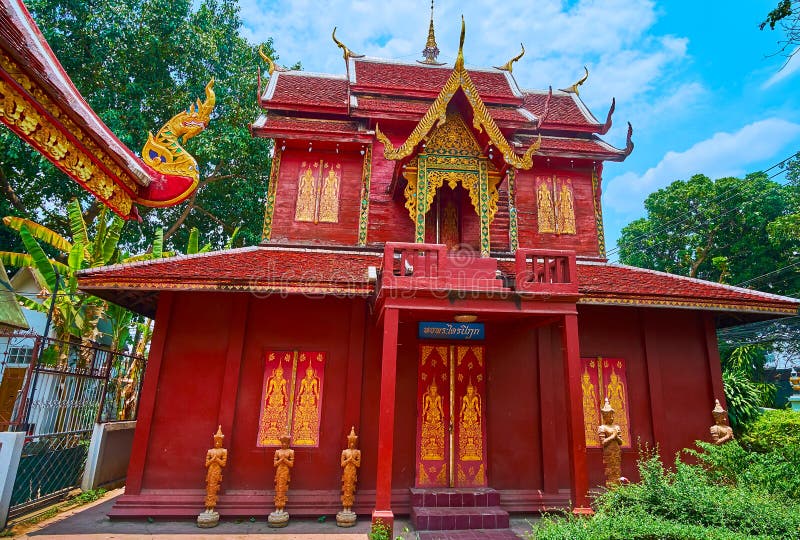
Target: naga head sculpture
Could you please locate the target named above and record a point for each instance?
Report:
(192, 121)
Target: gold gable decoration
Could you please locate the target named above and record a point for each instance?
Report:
(436, 116)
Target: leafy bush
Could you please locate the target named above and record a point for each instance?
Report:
(773, 472)
(772, 430)
(693, 502)
(380, 531)
(743, 396)
(630, 526)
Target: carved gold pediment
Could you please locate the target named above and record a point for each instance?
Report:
(437, 117)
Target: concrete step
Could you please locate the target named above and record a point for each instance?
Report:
(454, 497)
(474, 534)
(458, 518)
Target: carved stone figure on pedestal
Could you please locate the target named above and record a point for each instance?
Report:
(721, 432)
(351, 461)
(216, 459)
(283, 462)
(610, 438)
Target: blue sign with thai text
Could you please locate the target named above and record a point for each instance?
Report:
(457, 331)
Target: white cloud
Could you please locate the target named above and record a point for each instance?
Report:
(610, 36)
(788, 69)
(723, 154)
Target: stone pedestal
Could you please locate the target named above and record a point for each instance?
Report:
(278, 518)
(346, 518)
(794, 402)
(207, 519)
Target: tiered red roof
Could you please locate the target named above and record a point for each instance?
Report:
(306, 270)
(378, 89)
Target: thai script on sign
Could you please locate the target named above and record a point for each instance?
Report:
(460, 331)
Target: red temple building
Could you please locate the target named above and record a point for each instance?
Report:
(433, 273)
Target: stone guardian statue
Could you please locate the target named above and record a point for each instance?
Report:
(721, 432)
(216, 459)
(283, 462)
(610, 439)
(351, 461)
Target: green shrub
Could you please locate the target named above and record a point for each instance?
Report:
(743, 396)
(775, 472)
(772, 430)
(629, 525)
(380, 531)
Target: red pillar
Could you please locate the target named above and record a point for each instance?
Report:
(579, 478)
(148, 394)
(383, 491)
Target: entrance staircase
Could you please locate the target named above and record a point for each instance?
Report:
(459, 514)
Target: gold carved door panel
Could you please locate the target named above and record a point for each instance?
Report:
(451, 418)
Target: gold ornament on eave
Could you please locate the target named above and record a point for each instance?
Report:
(164, 153)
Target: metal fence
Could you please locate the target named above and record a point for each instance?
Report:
(67, 388)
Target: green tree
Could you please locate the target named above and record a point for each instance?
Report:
(719, 231)
(138, 63)
(785, 16)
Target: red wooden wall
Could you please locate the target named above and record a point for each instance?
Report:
(669, 372)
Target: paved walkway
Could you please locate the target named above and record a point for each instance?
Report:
(90, 522)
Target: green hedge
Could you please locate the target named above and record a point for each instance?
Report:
(726, 496)
(772, 430)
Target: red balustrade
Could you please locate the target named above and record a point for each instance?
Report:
(546, 271)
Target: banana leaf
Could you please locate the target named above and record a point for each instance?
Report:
(158, 244)
(40, 232)
(21, 260)
(229, 243)
(111, 241)
(76, 223)
(40, 260)
(193, 246)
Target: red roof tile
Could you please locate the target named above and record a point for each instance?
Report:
(293, 89)
(250, 269)
(564, 110)
(619, 284)
(418, 107)
(315, 270)
(398, 78)
(275, 122)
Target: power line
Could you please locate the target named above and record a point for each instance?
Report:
(688, 213)
(768, 274)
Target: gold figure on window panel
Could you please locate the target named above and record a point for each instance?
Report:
(544, 200)
(470, 436)
(306, 193)
(556, 206)
(432, 423)
(615, 392)
(276, 416)
(329, 198)
(318, 192)
(591, 418)
(566, 210)
(305, 419)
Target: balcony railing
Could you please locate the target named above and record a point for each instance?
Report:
(433, 267)
(546, 271)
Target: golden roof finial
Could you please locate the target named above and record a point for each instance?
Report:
(347, 54)
(431, 50)
(267, 59)
(574, 88)
(460, 58)
(509, 66)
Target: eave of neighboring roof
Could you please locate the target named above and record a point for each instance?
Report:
(10, 312)
(43, 107)
(319, 270)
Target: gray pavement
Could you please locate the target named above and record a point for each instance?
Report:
(90, 522)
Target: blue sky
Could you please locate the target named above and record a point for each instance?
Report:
(696, 79)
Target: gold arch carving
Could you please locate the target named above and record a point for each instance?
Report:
(436, 116)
